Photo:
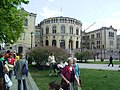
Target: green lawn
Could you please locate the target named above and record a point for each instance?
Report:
(91, 79)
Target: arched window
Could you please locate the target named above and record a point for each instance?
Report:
(71, 30)
(70, 44)
(53, 42)
(62, 44)
(77, 31)
(47, 30)
(77, 44)
(62, 29)
(47, 43)
(26, 22)
(54, 29)
(20, 49)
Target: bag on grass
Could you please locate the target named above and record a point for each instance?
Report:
(25, 69)
(7, 80)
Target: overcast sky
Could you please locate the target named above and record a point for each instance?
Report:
(103, 12)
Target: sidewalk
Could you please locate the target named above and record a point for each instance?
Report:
(31, 85)
(98, 66)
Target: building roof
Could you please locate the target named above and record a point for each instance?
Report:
(103, 28)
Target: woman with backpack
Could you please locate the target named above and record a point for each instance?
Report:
(19, 74)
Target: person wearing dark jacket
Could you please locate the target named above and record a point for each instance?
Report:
(68, 76)
(19, 76)
(110, 59)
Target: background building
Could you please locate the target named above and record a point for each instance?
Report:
(118, 41)
(102, 41)
(37, 36)
(62, 32)
(27, 39)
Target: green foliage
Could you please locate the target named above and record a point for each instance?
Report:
(83, 55)
(12, 20)
(40, 54)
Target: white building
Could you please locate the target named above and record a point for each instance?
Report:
(103, 41)
(62, 32)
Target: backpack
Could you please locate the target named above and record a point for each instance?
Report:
(25, 69)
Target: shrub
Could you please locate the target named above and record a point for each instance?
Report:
(83, 55)
(40, 54)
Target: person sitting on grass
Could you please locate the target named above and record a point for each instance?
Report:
(54, 86)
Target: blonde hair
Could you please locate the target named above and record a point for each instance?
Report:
(70, 58)
(75, 59)
(21, 55)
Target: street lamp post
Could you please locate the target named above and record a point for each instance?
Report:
(70, 44)
(31, 39)
(94, 52)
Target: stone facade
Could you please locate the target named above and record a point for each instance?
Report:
(103, 38)
(37, 36)
(27, 39)
(62, 32)
(102, 41)
(118, 42)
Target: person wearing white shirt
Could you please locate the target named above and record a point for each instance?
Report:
(51, 60)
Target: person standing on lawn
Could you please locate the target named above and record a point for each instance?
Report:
(68, 76)
(77, 72)
(110, 59)
(51, 60)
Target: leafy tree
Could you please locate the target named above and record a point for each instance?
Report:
(12, 20)
(83, 55)
(40, 54)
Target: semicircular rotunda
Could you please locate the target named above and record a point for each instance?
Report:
(62, 32)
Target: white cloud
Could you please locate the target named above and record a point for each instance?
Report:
(50, 13)
(104, 22)
(115, 22)
(51, 0)
(115, 14)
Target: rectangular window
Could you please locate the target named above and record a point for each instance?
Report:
(26, 22)
(77, 31)
(47, 30)
(111, 43)
(111, 34)
(98, 42)
(87, 37)
(83, 37)
(92, 36)
(98, 35)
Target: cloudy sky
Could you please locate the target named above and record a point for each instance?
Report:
(100, 12)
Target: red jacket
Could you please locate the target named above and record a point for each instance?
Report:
(66, 72)
(11, 61)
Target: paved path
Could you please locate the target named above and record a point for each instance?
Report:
(31, 85)
(98, 66)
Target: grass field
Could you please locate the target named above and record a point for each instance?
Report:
(91, 79)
